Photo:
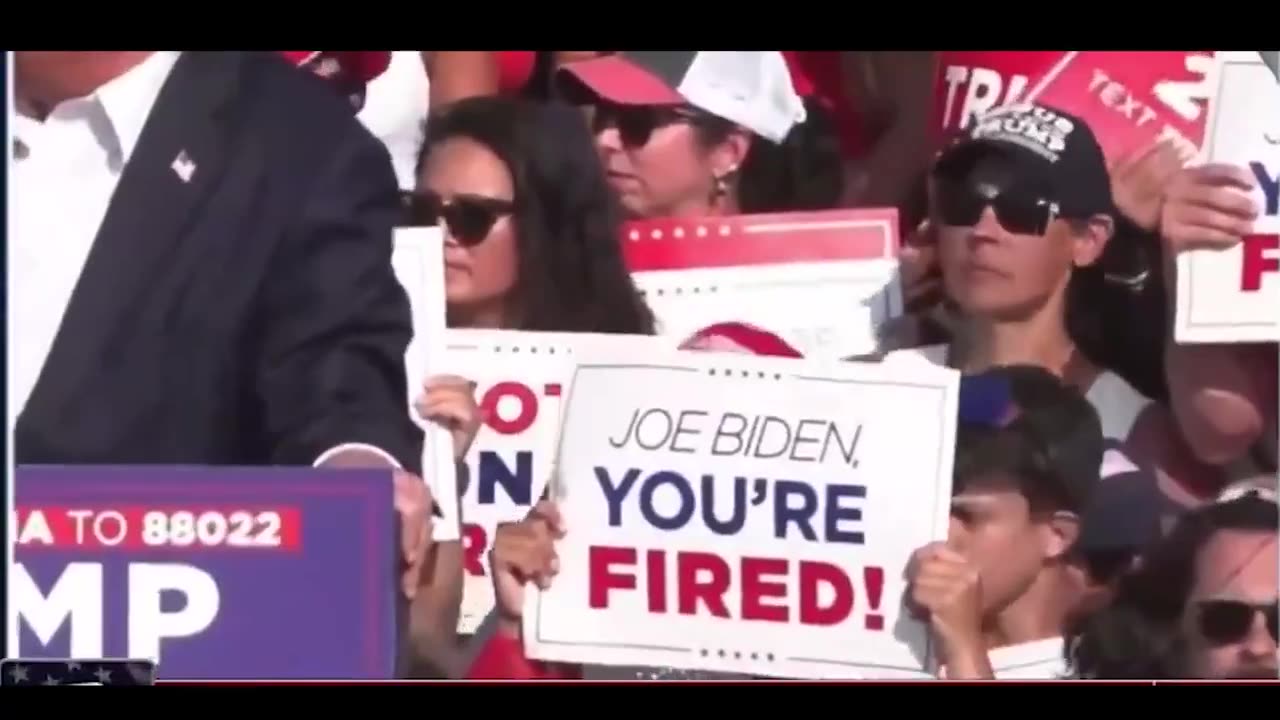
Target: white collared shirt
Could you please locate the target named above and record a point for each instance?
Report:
(64, 172)
(1035, 660)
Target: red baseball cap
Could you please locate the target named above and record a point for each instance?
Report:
(361, 65)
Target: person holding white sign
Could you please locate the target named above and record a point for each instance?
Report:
(524, 552)
(1223, 395)
(531, 227)
(997, 594)
(530, 235)
(1023, 205)
(1202, 605)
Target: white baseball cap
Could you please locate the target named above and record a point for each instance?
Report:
(750, 88)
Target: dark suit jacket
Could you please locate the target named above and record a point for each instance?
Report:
(249, 316)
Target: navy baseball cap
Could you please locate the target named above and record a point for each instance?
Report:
(1053, 153)
(1128, 510)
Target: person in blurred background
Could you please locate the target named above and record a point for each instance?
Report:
(347, 71)
(693, 134)
(393, 91)
(1125, 515)
(395, 110)
(531, 227)
(879, 102)
(1223, 396)
(1022, 209)
(1201, 605)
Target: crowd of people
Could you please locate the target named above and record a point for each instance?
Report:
(1114, 511)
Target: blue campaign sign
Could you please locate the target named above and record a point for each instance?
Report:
(218, 573)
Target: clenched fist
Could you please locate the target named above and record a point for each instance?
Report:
(947, 588)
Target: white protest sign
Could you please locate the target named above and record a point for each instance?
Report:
(418, 260)
(823, 281)
(746, 514)
(520, 380)
(1233, 295)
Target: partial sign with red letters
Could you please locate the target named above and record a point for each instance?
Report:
(1233, 295)
(971, 82)
(521, 379)
(1129, 98)
(746, 514)
(823, 281)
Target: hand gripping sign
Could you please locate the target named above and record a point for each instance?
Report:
(746, 514)
(823, 281)
(215, 573)
(418, 261)
(521, 379)
(1233, 295)
(1129, 99)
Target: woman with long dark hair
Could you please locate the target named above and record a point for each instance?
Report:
(530, 224)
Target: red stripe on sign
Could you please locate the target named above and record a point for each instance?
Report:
(742, 240)
(131, 527)
(551, 389)
(1257, 259)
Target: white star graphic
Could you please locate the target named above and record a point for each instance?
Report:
(51, 680)
(102, 674)
(18, 674)
(73, 666)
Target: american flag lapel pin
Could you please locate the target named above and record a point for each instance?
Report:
(183, 166)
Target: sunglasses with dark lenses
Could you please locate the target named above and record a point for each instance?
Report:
(961, 204)
(636, 124)
(1223, 622)
(469, 218)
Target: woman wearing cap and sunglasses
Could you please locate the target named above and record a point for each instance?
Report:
(704, 133)
(531, 228)
(1022, 210)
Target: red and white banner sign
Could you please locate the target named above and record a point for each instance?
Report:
(521, 379)
(823, 281)
(1128, 98)
(1233, 295)
(971, 82)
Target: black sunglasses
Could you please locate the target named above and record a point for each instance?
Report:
(961, 204)
(469, 218)
(636, 124)
(1223, 622)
